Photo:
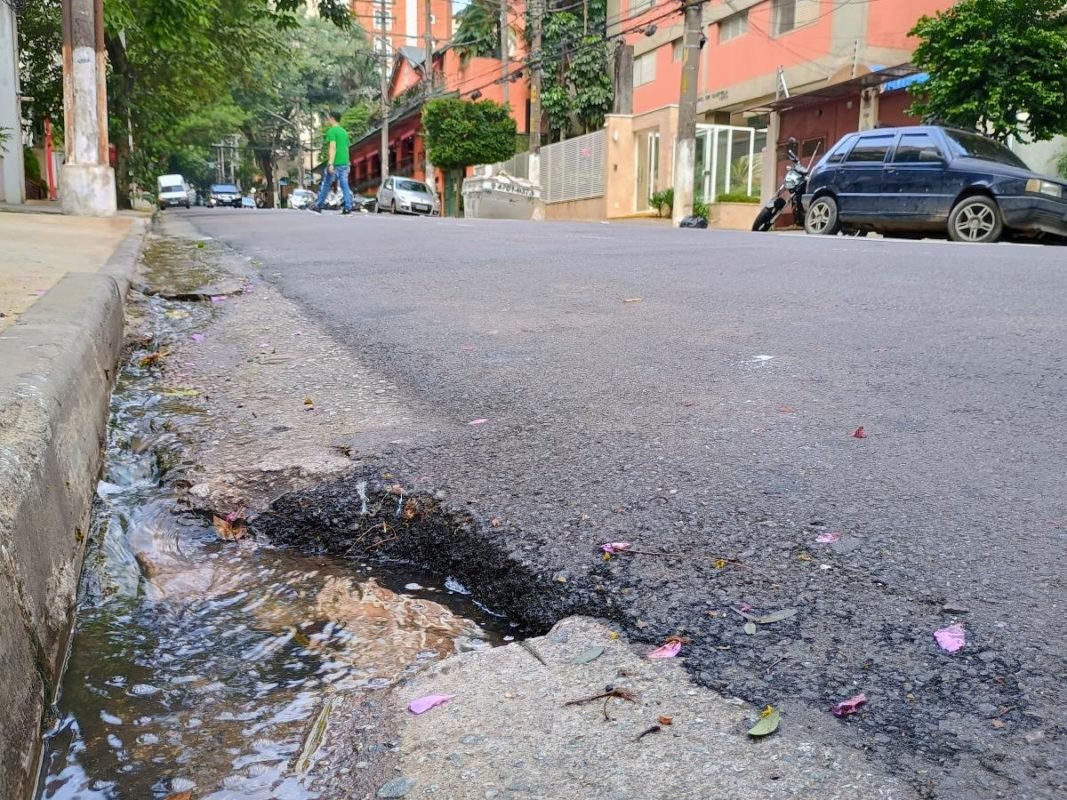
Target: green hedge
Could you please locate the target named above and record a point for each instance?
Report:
(736, 197)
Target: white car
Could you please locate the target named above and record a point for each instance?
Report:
(407, 196)
(301, 198)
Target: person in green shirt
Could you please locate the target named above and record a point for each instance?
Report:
(336, 141)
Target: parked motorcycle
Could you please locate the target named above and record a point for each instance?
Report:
(795, 183)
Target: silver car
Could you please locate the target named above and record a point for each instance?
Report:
(407, 196)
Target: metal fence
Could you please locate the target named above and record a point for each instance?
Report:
(573, 169)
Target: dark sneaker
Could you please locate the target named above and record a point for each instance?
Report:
(314, 209)
(346, 212)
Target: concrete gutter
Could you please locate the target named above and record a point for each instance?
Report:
(57, 367)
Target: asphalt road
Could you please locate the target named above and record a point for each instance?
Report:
(696, 393)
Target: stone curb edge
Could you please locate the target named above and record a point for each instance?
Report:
(58, 367)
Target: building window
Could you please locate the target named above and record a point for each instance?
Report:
(645, 68)
(732, 27)
(678, 49)
(383, 22)
(783, 16)
(640, 6)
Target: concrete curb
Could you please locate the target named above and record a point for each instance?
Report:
(59, 364)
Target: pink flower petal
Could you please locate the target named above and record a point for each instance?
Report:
(477, 422)
(828, 538)
(859, 433)
(218, 298)
(849, 707)
(669, 650)
(951, 638)
(197, 337)
(615, 547)
(424, 704)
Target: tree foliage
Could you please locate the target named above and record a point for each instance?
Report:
(184, 73)
(356, 120)
(996, 66)
(577, 88)
(478, 30)
(460, 133)
(40, 70)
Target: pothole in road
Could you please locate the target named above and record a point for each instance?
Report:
(203, 664)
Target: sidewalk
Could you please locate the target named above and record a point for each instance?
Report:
(40, 247)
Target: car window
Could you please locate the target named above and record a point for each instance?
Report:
(412, 186)
(172, 189)
(871, 149)
(975, 146)
(916, 148)
(224, 188)
(389, 183)
(840, 150)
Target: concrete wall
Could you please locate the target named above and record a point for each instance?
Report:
(12, 188)
(58, 366)
(591, 209)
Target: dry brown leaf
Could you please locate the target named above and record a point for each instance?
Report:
(230, 531)
(152, 358)
(998, 723)
(410, 509)
(664, 720)
(186, 795)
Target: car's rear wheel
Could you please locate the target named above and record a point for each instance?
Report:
(976, 220)
(822, 219)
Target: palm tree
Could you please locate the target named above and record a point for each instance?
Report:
(478, 32)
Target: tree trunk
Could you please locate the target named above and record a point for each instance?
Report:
(264, 158)
(120, 91)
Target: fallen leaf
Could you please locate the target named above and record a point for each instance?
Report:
(847, 708)
(616, 547)
(477, 422)
(230, 531)
(859, 433)
(998, 723)
(786, 410)
(495, 522)
(188, 793)
(719, 563)
(777, 616)
(633, 300)
(770, 719)
(664, 720)
(592, 654)
(152, 358)
(828, 538)
(669, 650)
(309, 404)
(803, 557)
(424, 704)
(181, 393)
(613, 635)
(750, 628)
(197, 337)
(951, 638)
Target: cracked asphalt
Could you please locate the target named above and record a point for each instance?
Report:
(695, 393)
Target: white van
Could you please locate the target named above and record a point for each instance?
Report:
(172, 190)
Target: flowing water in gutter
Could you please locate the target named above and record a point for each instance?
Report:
(201, 664)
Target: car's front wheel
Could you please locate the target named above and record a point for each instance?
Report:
(821, 219)
(976, 220)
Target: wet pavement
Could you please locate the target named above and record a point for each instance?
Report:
(696, 393)
(202, 657)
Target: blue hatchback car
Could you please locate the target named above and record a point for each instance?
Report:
(920, 180)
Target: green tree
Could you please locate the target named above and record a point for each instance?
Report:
(174, 59)
(996, 66)
(40, 43)
(356, 120)
(478, 30)
(461, 133)
(577, 88)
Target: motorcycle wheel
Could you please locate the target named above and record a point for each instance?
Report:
(765, 219)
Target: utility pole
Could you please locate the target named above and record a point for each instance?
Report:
(504, 66)
(537, 15)
(384, 56)
(87, 181)
(685, 147)
(427, 76)
(537, 11)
